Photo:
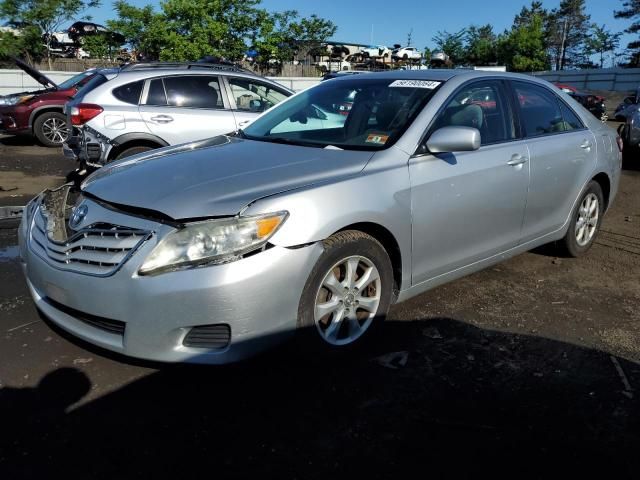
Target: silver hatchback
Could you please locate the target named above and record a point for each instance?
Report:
(317, 219)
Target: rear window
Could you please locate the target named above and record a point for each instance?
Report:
(539, 110)
(129, 93)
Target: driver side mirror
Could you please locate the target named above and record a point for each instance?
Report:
(255, 105)
(453, 139)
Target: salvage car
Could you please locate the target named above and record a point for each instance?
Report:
(210, 251)
(406, 53)
(153, 105)
(39, 112)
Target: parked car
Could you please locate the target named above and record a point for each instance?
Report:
(625, 108)
(154, 105)
(630, 130)
(39, 112)
(334, 65)
(375, 51)
(406, 53)
(594, 103)
(207, 252)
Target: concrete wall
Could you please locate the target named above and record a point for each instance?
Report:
(12, 81)
(612, 79)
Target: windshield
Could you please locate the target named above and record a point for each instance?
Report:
(75, 80)
(355, 114)
(95, 81)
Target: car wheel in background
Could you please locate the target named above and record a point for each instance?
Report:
(133, 151)
(585, 221)
(50, 128)
(348, 292)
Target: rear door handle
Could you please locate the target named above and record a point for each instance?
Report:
(162, 119)
(517, 160)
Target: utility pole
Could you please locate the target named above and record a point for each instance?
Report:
(371, 38)
(562, 45)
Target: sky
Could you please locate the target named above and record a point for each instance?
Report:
(386, 23)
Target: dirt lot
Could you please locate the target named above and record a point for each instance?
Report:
(530, 369)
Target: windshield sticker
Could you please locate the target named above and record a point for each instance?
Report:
(415, 84)
(377, 138)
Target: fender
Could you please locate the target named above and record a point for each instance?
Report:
(37, 110)
(129, 137)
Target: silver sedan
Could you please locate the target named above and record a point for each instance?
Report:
(317, 218)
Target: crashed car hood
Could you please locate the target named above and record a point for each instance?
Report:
(38, 76)
(217, 177)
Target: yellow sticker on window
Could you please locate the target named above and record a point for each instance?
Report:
(377, 138)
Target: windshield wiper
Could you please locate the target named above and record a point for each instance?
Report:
(286, 141)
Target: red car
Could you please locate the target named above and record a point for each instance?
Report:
(39, 113)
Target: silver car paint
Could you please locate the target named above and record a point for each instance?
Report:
(445, 221)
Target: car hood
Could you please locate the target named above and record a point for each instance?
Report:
(218, 176)
(35, 74)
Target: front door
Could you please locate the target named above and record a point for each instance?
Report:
(468, 206)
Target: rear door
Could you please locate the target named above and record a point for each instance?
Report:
(250, 97)
(563, 156)
(184, 108)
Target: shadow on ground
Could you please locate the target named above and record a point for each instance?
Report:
(458, 401)
(19, 141)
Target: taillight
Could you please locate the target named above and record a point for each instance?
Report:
(619, 142)
(82, 113)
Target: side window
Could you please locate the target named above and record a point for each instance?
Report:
(156, 94)
(539, 110)
(254, 96)
(571, 120)
(129, 93)
(193, 91)
(481, 105)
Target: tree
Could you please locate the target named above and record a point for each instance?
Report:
(481, 45)
(452, 44)
(527, 13)
(143, 28)
(282, 35)
(601, 41)
(631, 11)
(568, 28)
(26, 43)
(523, 48)
(45, 16)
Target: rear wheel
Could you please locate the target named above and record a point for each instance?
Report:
(349, 291)
(50, 129)
(133, 151)
(585, 221)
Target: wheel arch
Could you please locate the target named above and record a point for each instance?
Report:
(604, 181)
(41, 110)
(389, 243)
(129, 140)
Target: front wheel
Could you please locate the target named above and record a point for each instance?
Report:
(348, 292)
(50, 129)
(585, 221)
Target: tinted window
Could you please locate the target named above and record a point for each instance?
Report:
(129, 93)
(94, 82)
(539, 110)
(571, 120)
(252, 96)
(156, 94)
(481, 105)
(201, 91)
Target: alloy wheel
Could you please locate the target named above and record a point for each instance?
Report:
(55, 130)
(587, 221)
(347, 300)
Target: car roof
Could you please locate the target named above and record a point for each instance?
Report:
(443, 75)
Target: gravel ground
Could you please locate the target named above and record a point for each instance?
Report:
(528, 369)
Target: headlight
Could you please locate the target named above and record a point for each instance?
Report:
(213, 241)
(16, 100)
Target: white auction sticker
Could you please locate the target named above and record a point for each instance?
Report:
(430, 84)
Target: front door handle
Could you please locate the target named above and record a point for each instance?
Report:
(517, 160)
(162, 119)
(586, 145)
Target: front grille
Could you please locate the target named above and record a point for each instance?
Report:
(99, 249)
(106, 324)
(213, 337)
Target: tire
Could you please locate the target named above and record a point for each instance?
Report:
(50, 128)
(132, 151)
(585, 222)
(347, 321)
